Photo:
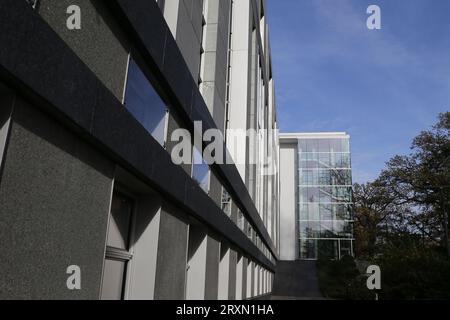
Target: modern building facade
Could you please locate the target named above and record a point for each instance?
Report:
(316, 196)
(90, 115)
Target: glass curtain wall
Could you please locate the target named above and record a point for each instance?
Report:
(325, 217)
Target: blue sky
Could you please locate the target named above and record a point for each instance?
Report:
(381, 86)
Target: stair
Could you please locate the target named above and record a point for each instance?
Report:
(296, 280)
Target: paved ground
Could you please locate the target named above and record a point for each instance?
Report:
(296, 280)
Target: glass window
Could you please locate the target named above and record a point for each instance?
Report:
(200, 170)
(313, 194)
(323, 145)
(120, 222)
(240, 220)
(337, 163)
(303, 226)
(343, 212)
(328, 249)
(308, 249)
(326, 229)
(345, 160)
(118, 252)
(346, 248)
(303, 156)
(313, 230)
(314, 213)
(325, 194)
(304, 177)
(326, 211)
(342, 194)
(113, 279)
(324, 177)
(345, 145)
(312, 145)
(340, 177)
(226, 202)
(324, 160)
(249, 231)
(302, 145)
(144, 103)
(303, 194)
(335, 145)
(304, 212)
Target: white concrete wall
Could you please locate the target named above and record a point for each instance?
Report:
(224, 273)
(239, 277)
(249, 291)
(239, 82)
(288, 183)
(196, 269)
(143, 266)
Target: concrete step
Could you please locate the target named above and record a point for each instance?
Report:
(296, 280)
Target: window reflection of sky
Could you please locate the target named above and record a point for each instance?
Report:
(144, 103)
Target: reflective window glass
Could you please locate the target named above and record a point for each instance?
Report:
(119, 222)
(304, 212)
(144, 103)
(326, 211)
(200, 170)
(326, 229)
(327, 249)
(314, 213)
(313, 194)
(323, 145)
(308, 249)
(324, 160)
(113, 277)
(303, 194)
(335, 145)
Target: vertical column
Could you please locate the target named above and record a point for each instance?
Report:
(264, 286)
(244, 277)
(240, 83)
(239, 276)
(256, 281)
(224, 272)
(249, 285)
(196, 264)
(232, 275)
(143, 266)
(172, 256)
(212, 268)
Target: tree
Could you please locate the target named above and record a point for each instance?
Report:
(372, 207)
(421, 180)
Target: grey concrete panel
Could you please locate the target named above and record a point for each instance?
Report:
(212, 268)
(99, 43)
(219, 113)
(152, 30)
(188, 35)
(172, 255)
(54, 199)
(215, 189)
(232, 276)
(244, 277)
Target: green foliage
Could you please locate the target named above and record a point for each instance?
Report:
(411, 270)
(400, 225)
(340, 279)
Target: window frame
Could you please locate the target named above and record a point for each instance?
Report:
(136, 58)
(118, 254)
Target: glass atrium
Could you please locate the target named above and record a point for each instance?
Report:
(325, 216)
